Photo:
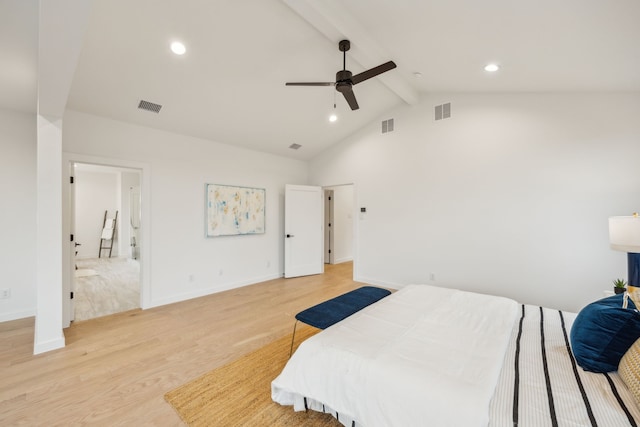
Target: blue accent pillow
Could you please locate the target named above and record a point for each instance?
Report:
(602, 333)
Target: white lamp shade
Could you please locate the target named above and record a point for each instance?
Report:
(624, 233)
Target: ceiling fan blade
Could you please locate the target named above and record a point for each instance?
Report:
(351, 99)
(365, 75)
(310, 84)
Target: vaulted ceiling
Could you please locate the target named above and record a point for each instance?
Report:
(229, 86)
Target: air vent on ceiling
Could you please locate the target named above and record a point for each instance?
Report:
(295, 146)
(443, 111)
(387, 126)
(149, 106)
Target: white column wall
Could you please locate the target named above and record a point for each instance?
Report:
(48, 326)
(61, 25)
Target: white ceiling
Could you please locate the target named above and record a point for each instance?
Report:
(229, 86)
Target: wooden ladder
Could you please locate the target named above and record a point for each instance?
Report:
(108, 233)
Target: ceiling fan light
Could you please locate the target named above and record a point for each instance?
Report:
(178, 48)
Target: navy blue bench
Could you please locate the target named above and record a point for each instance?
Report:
(332, 311)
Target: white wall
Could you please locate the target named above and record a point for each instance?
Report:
(95, 193)
(48, 333)
(185, 264)
(343, 210)
(18, 214)
(509, 196)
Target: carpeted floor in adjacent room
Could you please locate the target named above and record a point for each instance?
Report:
(106, 286)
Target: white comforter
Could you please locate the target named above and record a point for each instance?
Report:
(423, 356)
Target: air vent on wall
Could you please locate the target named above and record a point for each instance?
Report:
(387, 126)
(443, 111)
(149, 106)
(295, 146)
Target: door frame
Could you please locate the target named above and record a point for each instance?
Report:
(145, 236)
(329, 253)
(73, 242)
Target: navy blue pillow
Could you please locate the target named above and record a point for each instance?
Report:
(603, 332)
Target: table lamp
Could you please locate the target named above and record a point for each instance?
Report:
(624, 235)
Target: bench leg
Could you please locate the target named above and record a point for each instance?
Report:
(293, 337)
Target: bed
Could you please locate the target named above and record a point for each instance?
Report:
(430, 356)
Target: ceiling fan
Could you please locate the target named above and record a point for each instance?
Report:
(345, 79)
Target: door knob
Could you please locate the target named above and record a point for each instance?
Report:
(289, 235)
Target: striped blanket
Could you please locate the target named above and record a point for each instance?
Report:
(541, 385)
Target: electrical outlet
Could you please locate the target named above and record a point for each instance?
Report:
(268, 264)
(192, 278)
(5, 293)
(432, 277)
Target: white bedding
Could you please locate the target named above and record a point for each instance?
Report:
(425, 356)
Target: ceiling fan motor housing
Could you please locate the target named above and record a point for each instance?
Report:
(343, 80)
(343, 87)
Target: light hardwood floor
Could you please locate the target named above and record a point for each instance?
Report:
(115, 370)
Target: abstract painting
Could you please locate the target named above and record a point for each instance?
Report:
(234, 210)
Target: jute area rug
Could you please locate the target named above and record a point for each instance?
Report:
(239, 393)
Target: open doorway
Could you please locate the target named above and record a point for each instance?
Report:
(106, 223)
(339, 227)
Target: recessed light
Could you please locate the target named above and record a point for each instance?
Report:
(333, 118)
(178, 48)
(417, 75)
(491, 67)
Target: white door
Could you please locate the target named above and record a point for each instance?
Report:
(303, 242)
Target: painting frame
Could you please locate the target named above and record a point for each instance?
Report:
(232, 210)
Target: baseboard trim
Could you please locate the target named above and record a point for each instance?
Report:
(375, 282)
(50, 345)
(388, 285)
(209, 291)
(16, 315)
